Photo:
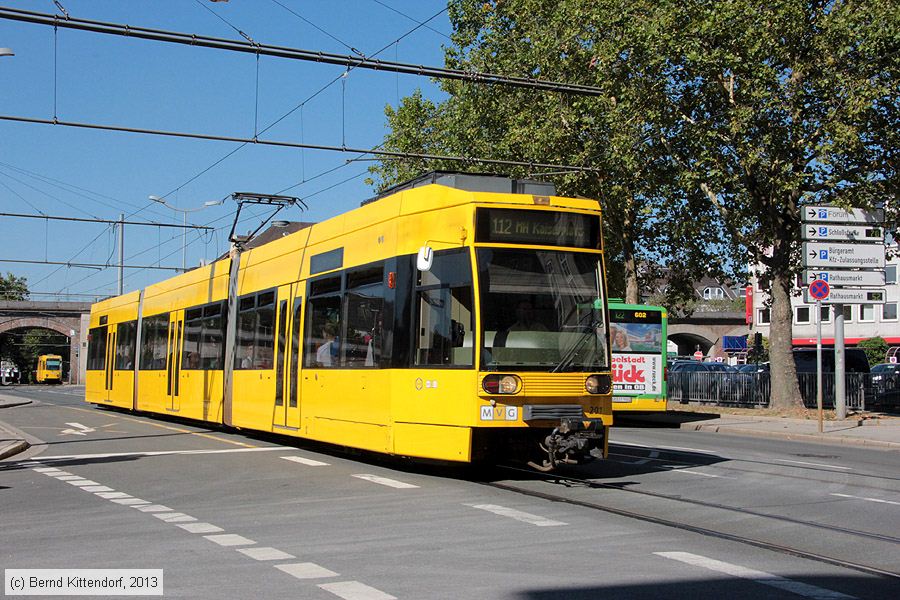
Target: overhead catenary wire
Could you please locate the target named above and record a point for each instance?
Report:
(249, 47)
(286, 144)
(110, 221)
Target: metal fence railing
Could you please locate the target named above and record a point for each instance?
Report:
(864, 391)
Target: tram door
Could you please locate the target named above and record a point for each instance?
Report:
(173, 360)
(287, 358)
(109, 363)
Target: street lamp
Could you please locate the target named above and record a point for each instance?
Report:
(184, 213)
(7, 52)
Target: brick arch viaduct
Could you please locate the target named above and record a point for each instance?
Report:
(67, 318)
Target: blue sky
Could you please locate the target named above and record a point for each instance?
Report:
(119, 81)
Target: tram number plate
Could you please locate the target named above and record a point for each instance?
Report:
(499, 413)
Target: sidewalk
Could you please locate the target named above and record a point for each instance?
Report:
(10, 442)
(871, 430)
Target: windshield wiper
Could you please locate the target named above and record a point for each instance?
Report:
(566, 361)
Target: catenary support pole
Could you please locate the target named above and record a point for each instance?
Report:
(121, 287)
(840, 395)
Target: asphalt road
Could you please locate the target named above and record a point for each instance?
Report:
(227, 515)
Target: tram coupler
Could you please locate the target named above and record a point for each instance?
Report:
(572, 442)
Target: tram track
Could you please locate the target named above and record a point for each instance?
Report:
(698, 529)
(731, 467)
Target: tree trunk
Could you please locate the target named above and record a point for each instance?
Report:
(632, 286)
(783, 372)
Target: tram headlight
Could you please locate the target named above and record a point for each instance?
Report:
(501, 384)
(598, 384)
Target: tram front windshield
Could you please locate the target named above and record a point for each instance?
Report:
(541, 310)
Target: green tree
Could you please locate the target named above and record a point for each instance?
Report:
(611, 134)
(719, 122)
(876, 349)
(773, 107)
(13, 288)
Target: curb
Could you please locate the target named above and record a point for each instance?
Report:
(801, 437)
(23, 402)
(15, 448)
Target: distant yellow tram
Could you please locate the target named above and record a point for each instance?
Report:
(456, 317)
(49, 369)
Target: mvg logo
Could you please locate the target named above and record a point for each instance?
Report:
(499, 413)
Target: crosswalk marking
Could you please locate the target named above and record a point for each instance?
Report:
(775, 581)
(518, 515)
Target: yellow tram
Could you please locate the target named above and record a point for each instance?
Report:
(49, 369)
(456, 317)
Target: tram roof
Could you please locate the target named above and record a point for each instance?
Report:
(471, 182)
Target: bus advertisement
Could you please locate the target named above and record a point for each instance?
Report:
(638, 339)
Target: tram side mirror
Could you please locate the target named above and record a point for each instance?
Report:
(425, 258)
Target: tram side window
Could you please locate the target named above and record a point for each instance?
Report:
(256, 331)
(212, 340)
(126, 335)
(154, 342)
(323, 332)
(445, 316)
(96, 349)
(203, 338)
(365, 318)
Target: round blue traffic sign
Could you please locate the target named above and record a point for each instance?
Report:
(819, 289)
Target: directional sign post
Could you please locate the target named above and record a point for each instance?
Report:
(833, 214)
(850, 233)
(836, 278)
(857, 263)
(843, 256)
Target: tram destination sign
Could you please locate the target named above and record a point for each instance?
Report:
(850, 233)
(537, 227)
(843, 256)
(845, 278)
(849, 296)
(833, 214)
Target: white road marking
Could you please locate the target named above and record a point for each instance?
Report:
(181, 519)
(152, 508)
(518, 515)
(689, 472)
(81, 482)
(385, 481)
(761, 577)
(58, 475)
(654, 454)
(306, 570)
(161, 453)
(174, 517)
(97, 488)
(800, 462)
(111, 495)
(199, 527)
(878, 500)
(46, 470)
(354, 590)
(305, 461)
(265, 553)
(70, 477)
(81, 427)
(682, 448)
(129, 501)
(229, 539)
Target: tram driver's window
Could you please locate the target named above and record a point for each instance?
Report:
(444, 301)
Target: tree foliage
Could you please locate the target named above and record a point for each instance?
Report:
(13, 287)
(719, 121)
(876, 349)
